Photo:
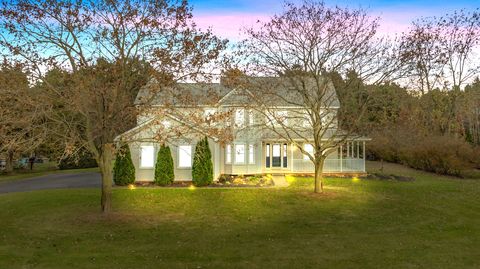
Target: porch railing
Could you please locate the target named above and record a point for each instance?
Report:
(331, 165)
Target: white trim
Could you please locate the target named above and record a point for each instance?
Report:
(228, 154)
(251, 153)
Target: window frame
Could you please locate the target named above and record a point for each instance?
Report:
(191, 157)
(141, 165)
(239, 111)
(236, 153)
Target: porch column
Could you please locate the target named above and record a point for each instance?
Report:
(364, 157)
(341, 158)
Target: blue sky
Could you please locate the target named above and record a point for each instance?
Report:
(227, 17)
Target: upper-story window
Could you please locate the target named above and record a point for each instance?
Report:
(208, 113)
(251, 117)
(239, 117)
(166, 124)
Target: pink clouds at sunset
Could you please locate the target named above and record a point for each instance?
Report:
(231, 18)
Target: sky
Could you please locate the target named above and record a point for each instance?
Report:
(227, 17)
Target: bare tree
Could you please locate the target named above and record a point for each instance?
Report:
(441, 52)
(297, 51)
(100, 44)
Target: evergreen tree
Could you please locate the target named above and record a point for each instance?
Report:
(164, 173)
(123, 169)
(202, 168)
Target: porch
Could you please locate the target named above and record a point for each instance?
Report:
(286, 158)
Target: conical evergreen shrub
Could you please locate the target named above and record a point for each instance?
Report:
(164, 174)
(123, 169)
(202, 168)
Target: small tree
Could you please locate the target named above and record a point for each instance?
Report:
(164, 174)
(202, 168)
(123, 169)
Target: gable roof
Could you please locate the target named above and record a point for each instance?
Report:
(276, 91)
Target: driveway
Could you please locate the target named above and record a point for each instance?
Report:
(53, 181)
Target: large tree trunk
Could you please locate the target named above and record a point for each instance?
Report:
(9, 162)
(319, 176)
(106, 168)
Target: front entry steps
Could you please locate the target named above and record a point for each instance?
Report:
(279, 180)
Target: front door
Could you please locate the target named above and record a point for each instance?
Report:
(276, 155)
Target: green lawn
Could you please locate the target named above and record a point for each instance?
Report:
(433, 222)
(40, 169)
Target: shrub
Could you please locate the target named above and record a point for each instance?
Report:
(434, 153)
(202, 168)
(123, 169)
(164, 174)
(83, 159)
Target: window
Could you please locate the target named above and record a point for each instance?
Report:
(185, 156)
(209, 112)
(308, 148)
(251, 154)
(285, 161)
(239, 117)
(251, 117)
(146, 156)
(228, 154)
(267, 155)
(240, 153)
(166, 124)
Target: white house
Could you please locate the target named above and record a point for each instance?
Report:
(253, 149)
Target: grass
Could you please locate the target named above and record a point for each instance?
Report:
(433, 222)
(40, 169)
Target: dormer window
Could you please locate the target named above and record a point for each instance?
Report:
(240, 117)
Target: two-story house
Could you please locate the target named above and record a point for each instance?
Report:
(253, 148)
